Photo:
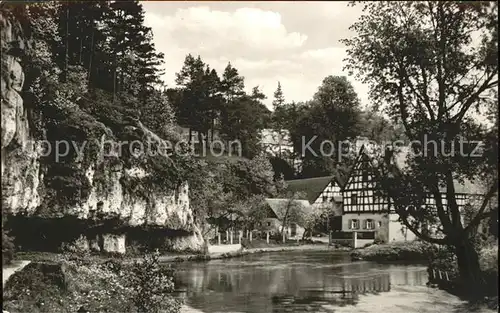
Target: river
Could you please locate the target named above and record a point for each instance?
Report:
(310, 281)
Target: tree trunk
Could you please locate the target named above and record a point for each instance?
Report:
(469, 269)
(114, 85)
(66, 48)
(81, 49)
(90, 57)
(200, 138)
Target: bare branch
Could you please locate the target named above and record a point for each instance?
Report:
(443, 217)
(452, 202)
(470, 101)
(419, 234)
(479, 216)
(425, 86)
(403, 111)
(441, 60)
(424, 99)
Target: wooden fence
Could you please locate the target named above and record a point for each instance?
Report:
(436, 276)
(444, 280)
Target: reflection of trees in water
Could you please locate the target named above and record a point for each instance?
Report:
(295, 288)
(344, 293)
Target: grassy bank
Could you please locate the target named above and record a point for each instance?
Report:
(412, 251)
(85, 285)
(254, 247)
(68, 283)
(244, 251)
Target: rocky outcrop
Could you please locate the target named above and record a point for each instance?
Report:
(114, 243)
(103, 192)
(19, 159)
(192, 243)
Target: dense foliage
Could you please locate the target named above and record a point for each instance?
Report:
(81, 285)
(333, 116)
(92, 79)
(206, 103)
(8, 247)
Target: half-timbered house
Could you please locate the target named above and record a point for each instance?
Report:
(368, 213)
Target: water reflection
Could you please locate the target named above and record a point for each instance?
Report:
(289, 282)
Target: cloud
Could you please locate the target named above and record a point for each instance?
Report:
(301, 74)
(268, 43)
(244, 32)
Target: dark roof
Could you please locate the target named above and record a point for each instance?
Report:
(278, 206)
(313, 187)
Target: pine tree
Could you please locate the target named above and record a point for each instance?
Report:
(232, 84)
(279, 99)
(257, 94)
(215, 99)
(198, 86)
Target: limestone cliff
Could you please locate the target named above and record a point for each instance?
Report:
(103, 194)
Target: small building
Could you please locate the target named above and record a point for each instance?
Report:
(321, 192)
(276, 211)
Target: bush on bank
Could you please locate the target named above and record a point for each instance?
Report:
(410, 251)
(84, 285)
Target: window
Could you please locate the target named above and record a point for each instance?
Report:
(365, 175)
(354, 224)
(369, 224)
(354, 198)
(325, 198)
(268, 223)
(379, 224)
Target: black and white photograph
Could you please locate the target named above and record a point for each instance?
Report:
(249, 156)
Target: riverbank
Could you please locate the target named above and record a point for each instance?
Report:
(62, 282)
(437, 259)
(83, 285)
(242, 252)
(411, 251)
(176, 257)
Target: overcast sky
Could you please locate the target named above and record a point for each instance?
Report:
(296, 43)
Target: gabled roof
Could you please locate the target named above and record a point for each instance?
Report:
(312, 187)
(362, 154)
(278, 205)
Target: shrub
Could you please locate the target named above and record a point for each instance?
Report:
(442, 258)
(380, 238)
(7, 247)
(411, 251)
(152, 284)
(488, 258)
(38, 287)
